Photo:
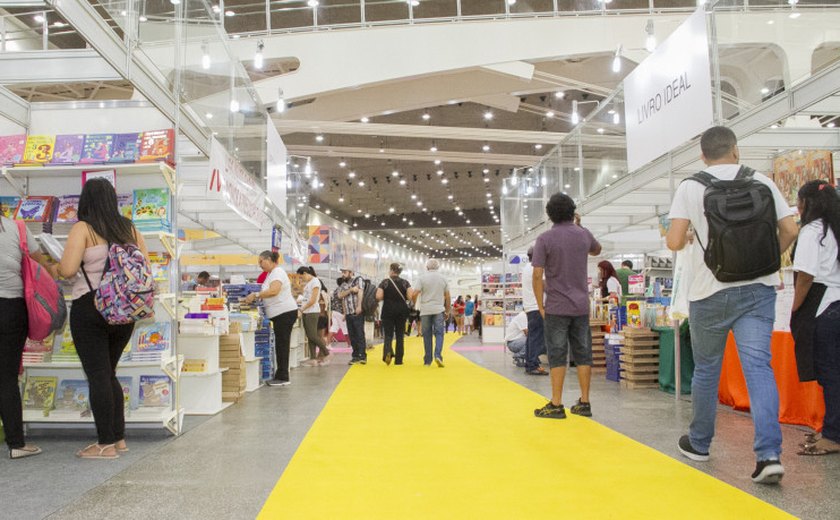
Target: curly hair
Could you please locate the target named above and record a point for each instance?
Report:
(560, 208)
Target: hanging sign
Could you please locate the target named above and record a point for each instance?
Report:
(668, 97)
(275, 166)
(636, 284)
(232, 183)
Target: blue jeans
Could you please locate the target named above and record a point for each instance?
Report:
(749, 311)
(536, 340)
(827, 367)
(433, 324)
(356, 331)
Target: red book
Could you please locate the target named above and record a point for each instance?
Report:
(158, 145)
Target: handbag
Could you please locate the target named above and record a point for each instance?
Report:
(407, 301)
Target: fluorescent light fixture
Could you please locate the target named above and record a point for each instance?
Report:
(575, 115)
(616, 63)
(538, 146)
(364, 119)
(426, 116)
(234, 105)
(205, 57)
(560, 94)
(319, 138)
(650, 40)
(312, 3)
(616, 118)
(229, 13)
(485, 148)
(258, 56)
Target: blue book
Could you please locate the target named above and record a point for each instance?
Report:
(97, 149)
(126, 148)
(68, 149)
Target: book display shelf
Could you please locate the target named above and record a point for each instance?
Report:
(501, 300)
(45, 195)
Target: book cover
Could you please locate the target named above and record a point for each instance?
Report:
(160, 263)
(72, 394)
(97, 148)
(155, 391)
(8, 205)
(68, 149)
(157, 145)
(126, 148)
(125, 203)
(11, 149)
(39, 392)
(67, 209)
(39, 149)
(35, 209)
(153, 337)
(126, 382)
(151, 210)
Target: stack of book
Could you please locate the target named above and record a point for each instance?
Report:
(38, 351)
(230, 357)
(151, 341)
(64, 350)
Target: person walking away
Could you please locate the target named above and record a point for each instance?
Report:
(431, 296)
(535, 345)
(393, 293)
(280, 308)
(14, 326)
(560, 254)
(738, 296)
(310, 312)
(516, 338)
(351, 292)
(816, 306)
(98, 344)
(458, 306)
(469, 315)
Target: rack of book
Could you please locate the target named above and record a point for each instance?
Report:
(259, 361)
(501, 300)
(43, 178)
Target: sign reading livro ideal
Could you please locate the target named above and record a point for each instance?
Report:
(668, 97)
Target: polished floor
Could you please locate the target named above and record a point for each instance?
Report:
(226, 466)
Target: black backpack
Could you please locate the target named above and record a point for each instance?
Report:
(369, 303)
(743, 238)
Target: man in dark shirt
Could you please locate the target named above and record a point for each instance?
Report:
(561, 255)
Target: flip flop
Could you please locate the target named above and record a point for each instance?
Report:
(82, 454)
(820, 448)
(26, 451)
(810, 438)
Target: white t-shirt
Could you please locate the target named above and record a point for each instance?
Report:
(688, 204)
(283, 302)
(11, 283)
(820, 261)
(516, 327)
(614, 286)
(313, 284)
(529, 300)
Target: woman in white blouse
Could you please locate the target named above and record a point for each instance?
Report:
(310, 311)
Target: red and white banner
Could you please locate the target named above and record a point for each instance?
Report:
(230, 182)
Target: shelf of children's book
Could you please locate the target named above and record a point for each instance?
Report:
(61, 230)
(75, 170)
(501, 283)
(204, 374)
(78, 365)
(152, 415)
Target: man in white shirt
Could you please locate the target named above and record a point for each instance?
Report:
(536, 337)
(746, 307)
(516, 337)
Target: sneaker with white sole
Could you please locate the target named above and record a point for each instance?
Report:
(768, 472)
(278, 382)
(688, 450)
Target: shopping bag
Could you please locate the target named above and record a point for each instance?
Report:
(684, 269)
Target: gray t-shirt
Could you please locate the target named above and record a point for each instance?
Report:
(11, 284)
(432, 286)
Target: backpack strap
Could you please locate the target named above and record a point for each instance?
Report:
(704, 178)
(744, 172)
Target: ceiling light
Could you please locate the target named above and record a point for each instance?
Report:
(216, 9)
(361, 184)
(488, 115)
(258, 56)
(312, 3)
(560, 94)
(600, 130)
(486, 179)
(209, 115)
(62, 24)
(437, 162)
(229, 13)
(328, 211)
(391, 209)
(450, 197)
(351, 174)
(205, 57)
(616, 118)
(444, 181)
(234, 105)
(575, 115)
(433, 149)
(439, 172)
(511, 2)
(142, 19)
(538, 146)
(650, 40)
(549, 114)
(485, 148)
(402, 182)
(307, 170)
(364, 119)
(341, 198)
(413, 196)
(419, 203)
(342, 164)
(40, 18)
(426, 116)
(830, 125)
(280, 106)
(319, 138)
(765, 90)
(174, 2)
(616, 64)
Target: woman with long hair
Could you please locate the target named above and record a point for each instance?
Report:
(99, 344)
(310, 311)
(816, 306)
(610, 284)
(280, 308)
(458, 308)
(393, 293)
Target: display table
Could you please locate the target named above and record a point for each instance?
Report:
(799, 403)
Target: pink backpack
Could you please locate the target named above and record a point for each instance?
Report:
(127, 291)
(45, 303)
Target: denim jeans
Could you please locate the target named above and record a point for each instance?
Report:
(748, 311)
(827, 367)
(564, 334)
(536, 340)
(432, 325)
(356, 331)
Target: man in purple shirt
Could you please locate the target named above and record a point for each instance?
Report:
(561, 255)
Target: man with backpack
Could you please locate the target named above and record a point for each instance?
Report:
(351, 293)
(742, 224)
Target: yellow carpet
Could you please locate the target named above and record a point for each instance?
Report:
(462, 442)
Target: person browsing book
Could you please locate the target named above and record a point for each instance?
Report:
(310, 311)
(99, 344)
(14, 326)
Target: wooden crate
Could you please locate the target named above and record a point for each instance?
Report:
(230, 358)
(599, 357)
(639, 359)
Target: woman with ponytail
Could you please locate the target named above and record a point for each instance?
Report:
(815, 322)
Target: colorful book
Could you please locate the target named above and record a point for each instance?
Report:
(97, 148)
(11, 149)
(39, 149)
(67, 209)
(68, 149)
(152, 337)
(155, 391)
(8, 205)
(126, 148)
(158, 145)
(151, 210)
(160, 263)
(126, 382)
(73, 394)
(125, 203)
(35, 209)
(39, 392)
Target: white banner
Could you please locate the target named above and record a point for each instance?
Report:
(276, 167)
(668, 97)
(231, 183)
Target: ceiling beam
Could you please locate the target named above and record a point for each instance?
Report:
(55, 67)
(349, 152)
(13, 108)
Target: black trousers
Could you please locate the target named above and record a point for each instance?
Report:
(283, 324)
(14, 325)
(356, 331)
(100, 347)
(394, 326)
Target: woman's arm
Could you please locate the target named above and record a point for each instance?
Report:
(801, 288)
(313, 298)
(380, 294)
(74, 251)
(273, 290)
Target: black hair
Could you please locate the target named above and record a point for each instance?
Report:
(270, 255)
(716, 142)
(98, 208)
(304, 270)
(627, 263)
(821, 202)
(203, 275)
(396, 267)
(560, 208)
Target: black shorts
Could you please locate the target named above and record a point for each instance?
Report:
(323, 322)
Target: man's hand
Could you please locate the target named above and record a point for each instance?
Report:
(542, 313)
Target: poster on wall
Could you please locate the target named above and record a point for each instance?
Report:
(792, 170)
(668, 97)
